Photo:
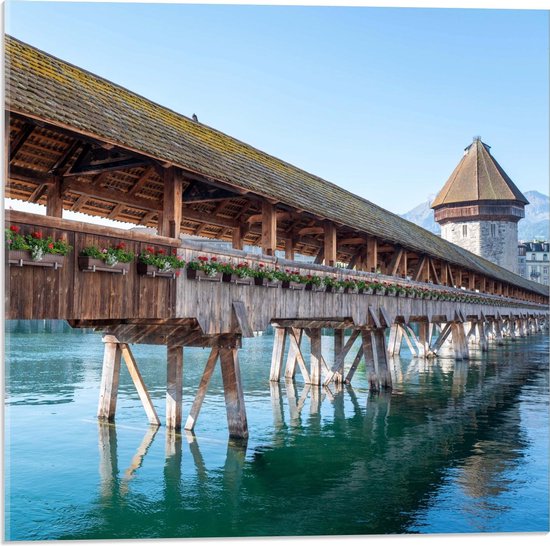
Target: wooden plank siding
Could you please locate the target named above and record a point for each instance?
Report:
(68, 293)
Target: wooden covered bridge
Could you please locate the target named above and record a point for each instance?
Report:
(76, 142)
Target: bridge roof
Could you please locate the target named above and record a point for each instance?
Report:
(478, 177)
(43, 87)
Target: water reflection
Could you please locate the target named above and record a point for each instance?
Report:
(320, 460)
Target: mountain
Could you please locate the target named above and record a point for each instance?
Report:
(535, 225)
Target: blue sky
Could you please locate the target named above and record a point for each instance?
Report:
(380, 101)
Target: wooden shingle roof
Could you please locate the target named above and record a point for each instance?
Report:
(43, 87)
(478, 177)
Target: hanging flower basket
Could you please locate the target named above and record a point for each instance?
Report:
(236, 279)
(199, 275)
(93, 265)
(21, 258)
(293, 285)
(159, 263)
(259, 281)
(34, 248)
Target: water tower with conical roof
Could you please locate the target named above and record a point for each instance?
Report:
(479, 207)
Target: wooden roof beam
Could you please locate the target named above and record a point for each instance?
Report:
(20, 139)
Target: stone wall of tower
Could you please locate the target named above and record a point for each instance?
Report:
(495, 241)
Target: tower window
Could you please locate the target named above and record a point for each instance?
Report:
(493, 230)
(464, 231)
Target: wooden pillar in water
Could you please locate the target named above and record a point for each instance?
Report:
(339, 339)
(174, 386)
(459, 341)
(233, 392)
(394, 342)
(380, 359)
(278, 354)
(316, 356)
(110, 375)
(482, 335)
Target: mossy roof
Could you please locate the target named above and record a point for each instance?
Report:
(478, 177)
(45, 87)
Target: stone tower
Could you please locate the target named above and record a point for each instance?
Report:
(479, 207)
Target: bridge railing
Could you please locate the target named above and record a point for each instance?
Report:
(50, 290)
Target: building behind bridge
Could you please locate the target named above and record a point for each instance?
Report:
(479, 207)
(533, 261)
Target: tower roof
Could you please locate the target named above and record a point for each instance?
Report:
(478, 177)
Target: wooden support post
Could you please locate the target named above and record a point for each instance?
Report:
(336, 373)
(498, 332)
(233, 392)
(394, 342)
(139, 384)
(372, 254)
(110, 375)
(380, 358)
(444, 277)
(354, 365)
(170, 219)
(203, 387)
(482, 336)
(294, 353)
(174, 385)
(54, 198)
(423, 339)
(330, 243)
(269, 229)
(441, 339)
(289, 248)
(368, 355)
(339, 340)
(237, 238)
(459, 341)
(278, 354)
(471, 281)
(316, 357)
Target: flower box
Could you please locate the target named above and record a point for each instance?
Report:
(236, 279)
(258, 281)
(198, 275)
(333, 289)
(153, 271)
(390, 292)
(348, 290)
(368, 291)
(20, 258)
(93, 265)
(293, 285)
(380, 291)
(310, 287)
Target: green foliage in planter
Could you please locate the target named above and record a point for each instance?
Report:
(110, 255)
(161, 259)
(35, 243)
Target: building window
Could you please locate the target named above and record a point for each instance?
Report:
(464, 231)
(533, 257)
(493, 230)
(545, 270)
(545, 257)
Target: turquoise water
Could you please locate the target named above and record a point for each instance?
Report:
(457, 447)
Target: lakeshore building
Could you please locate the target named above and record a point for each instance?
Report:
(533, 261)
(479, 207)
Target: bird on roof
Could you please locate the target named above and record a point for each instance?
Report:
(195, 118)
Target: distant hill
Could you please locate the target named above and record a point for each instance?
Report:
(535, 225)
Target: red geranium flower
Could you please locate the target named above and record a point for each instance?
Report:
(15, 229)
(50, 246)
(261, 264)
(174, 251)
(161, 251)
(120, 246)
(150, 249)
(203, 258)
(36, 234)
(213, 259)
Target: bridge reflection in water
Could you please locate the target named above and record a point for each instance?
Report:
(339, 460)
